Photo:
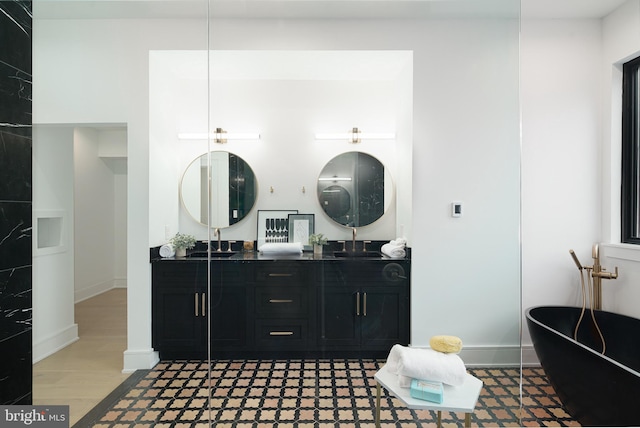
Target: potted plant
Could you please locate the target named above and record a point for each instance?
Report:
(181, 242)
(317, 240)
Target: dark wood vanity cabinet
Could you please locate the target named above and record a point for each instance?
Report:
(179, 321)
(228, 303)
(283, 308)
(181, 307)
(280, 308)
(363, 306)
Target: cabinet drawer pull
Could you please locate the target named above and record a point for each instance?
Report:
(204, 312)
(280, 274)
(358, 303)
(364, 304)
(280, 333)
(280, 301)
(196, 305)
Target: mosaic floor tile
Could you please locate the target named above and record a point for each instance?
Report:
(312, 393)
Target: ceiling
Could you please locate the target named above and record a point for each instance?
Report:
(319, 9)
(569, 8)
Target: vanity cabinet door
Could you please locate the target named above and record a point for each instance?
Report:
(362, 307)
(180, 324)
(179, 300)
(338, 318)
(384, 320)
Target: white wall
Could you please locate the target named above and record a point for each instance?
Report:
(287, 158)
(53, 313)
(465, 147)
(120, 227)
(561, 125)
(621, 35)
(95, 203)
(571, 95)
(112, 150)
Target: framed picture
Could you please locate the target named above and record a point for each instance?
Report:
(273, 226)
(301, 226)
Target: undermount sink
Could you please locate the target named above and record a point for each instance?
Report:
(349, 254)
(214, 254)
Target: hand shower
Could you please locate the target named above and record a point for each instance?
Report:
(575, 259)
(589, 287)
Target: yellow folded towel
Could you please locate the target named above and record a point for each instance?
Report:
(446, 344)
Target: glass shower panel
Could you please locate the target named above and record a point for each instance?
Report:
(444, 78)
(115, 83)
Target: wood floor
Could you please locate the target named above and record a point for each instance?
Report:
(85, 372)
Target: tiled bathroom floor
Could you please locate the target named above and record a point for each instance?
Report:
(309, 393)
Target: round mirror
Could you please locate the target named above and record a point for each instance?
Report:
(231, 195)
(354, 189)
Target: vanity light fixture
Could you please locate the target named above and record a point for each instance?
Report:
(334, 179)
(220, 136)
(356, 136)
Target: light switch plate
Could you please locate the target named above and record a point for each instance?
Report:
(456, 209)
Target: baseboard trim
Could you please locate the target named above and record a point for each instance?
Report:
(99, 288)
(529, 356)
(480, 356)
(55, 342)
(120, 283)
(490, 356)
(139, 360)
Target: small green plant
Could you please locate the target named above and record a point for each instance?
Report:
(183, 241)
(317, 239)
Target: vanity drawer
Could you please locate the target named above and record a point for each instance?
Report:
(185, 274)
(282, 334)
(280, 274)
(281, 301)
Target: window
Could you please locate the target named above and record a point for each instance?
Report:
(630, 208)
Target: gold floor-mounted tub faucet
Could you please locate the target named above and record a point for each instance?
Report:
(597, 273)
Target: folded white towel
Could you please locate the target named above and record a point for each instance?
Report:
(425, 364)
(282, 248)
(393, 251)
(399, 241)
(167, 251)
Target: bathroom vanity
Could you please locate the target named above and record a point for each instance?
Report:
(349, 302)
(276, 307)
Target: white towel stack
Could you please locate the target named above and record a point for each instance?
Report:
(395, 249)
(167, 251)
(282, 248)
(425, 364)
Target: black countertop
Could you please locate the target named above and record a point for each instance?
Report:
(329, 254)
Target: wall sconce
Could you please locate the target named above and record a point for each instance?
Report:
(220, 136)
(356, 136)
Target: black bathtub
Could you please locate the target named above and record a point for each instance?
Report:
(596, 390)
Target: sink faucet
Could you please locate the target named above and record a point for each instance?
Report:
(354, 232)
(216, 232)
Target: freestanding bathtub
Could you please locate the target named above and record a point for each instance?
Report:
(596, 389)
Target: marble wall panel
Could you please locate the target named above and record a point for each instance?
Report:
(15, 234)
(16, 375)
(15, 301)
(15, 202)
(15, 66)
(15, 167)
